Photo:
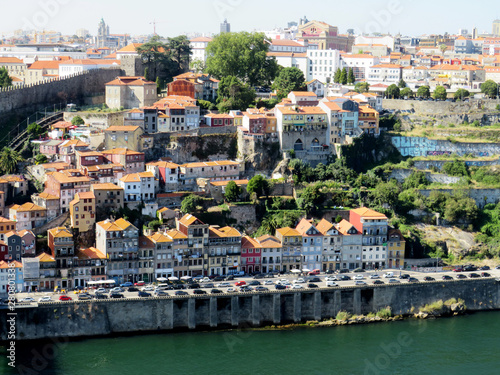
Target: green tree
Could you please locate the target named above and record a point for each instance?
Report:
(311, 199)
(158, 85)
(456, 168)
(406, 93)
(440, 93)
(392, 92)
(362, 87)
(443, 48)
(258, 185)
(233, 94)
(198, 66)
(179, 49)
(461, 94)
(9, 159)
(415, 181)
(336, 77)
(233, 192)
(190, 204)
(77, 121)
(343, 76)
(350, 77)
(289, 79)
(5, 79)
(34, 130)
(424, 92)
(242, 55)
(40, 159)
(402, 83)
(490, 88)
(386, 193)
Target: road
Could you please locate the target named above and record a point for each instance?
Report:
(291, 280)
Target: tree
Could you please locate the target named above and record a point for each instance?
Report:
(461, 94)
(34, 130)
(158, 85)
(5, 79)
(443, 48)
(336, 77)
(386, 193)
(424, 92)
(233, 94)
(233, 192)
(343, 76)
(40, 159)
(440, 93)
(180, 52)
(9, 159)
(311, 198)
(77, 121)
(258, 185)
(490, 88)
(190, 204)
(456, 168)
(362, 87)
(402, 83)
(289, 79)
(416, 180)
(350, 77)
(154, 56)
(242, 55)
(406, 93)
(392, 92)
(198, 66)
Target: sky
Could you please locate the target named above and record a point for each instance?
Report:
(204, 16)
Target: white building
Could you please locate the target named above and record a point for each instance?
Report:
(322, 64)
(384, 73)
(389, 41)
(284, 45)
(359, 63)
(139, 187)
(198, 48)
(291, 59)
(79, 66)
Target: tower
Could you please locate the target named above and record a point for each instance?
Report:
(102, 34)
(496, 27)
(225, 27)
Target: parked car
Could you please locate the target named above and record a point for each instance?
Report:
(314, 272)
(331, 284)
(254, 282)
(160, 293)
(297, 286)
(178, 286)
(474, 275)
(199, 291)
(231, 290)
(223, 285)
(485, 274)
(344, 278)
(258, 276)
(100, 290)
(261, 289)
(344, 270)
(143, 294)
(329, 272)
(219, 278)
(194, 286)
(132, 289)
(240, 283)
(378, 282)
(268, 282)
(374, 276)
(216, 291)
(461, 276)
(331, 278)
(447, 277)
(208, 285)
(84, 296)
(246, 289)
(197, 278)
(100, 296)
(429, 278)
(359, 270)
(497, 267)
(180, 293)
(230, 278)
(116, 295)
(279, 287)
(389, 275)
(458, 269)
(126, 285)
(470, 268)
(27, 299)
(300, 280)
(314, 280)
(358, 277)
(404, 276)
(413, 280)
(311, 285)
(205, 280)
(45, 299)
(64, 298)
(394, 281)
(485, 268)
(140, 283)
(116, 290)
(359, 282)
(148, 288)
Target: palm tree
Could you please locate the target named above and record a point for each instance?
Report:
(9, 159)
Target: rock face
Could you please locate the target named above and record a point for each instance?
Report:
(282, 167)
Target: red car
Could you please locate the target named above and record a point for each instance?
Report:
(458, 269)
(140, 283)
(314, 272)
(240, 283)
(64, 298)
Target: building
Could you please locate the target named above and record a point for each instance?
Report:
(396, 245)
(496, 28)
(146, 259)
(108, 196)
(118, 240)
(251, 255)
(291, 241)
(212, 170)
(132, 161)
(312, 245)
(225, 27)
(130, 92)
(139, 187)
(198, 48)
(321, 34)
(352, 243)
(197, 233)
(62, 248)
(6, 226)
(123, 137)
(373, 226)
(27, 216)
(271, 253)
(15, 67)
(359, 63)
(224, 251)
(166, 173)
(322, 64)
(331, 247)
(82, 211)
(384, 73)
(194, 85)
(6, 276)
(47, 271)
(65, 185)
(163, 255)
(89, 265)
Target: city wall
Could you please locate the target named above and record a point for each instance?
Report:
(402, 174)
(438, 164)
(107, 317)
(481, 196)
(433, 108)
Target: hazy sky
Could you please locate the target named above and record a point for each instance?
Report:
(204, 16)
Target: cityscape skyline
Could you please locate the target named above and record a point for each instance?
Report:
(390, 17)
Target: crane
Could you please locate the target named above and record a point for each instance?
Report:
(154, 25)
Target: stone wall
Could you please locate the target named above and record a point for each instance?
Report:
(438, 164)
(481, 196)
(433, 108)
(402, 174)
(99, 120)
(105, 317)
(421, 146)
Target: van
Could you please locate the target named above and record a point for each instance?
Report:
(314, 272)
(388, 275)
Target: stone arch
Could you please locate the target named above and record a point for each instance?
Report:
(298, 145)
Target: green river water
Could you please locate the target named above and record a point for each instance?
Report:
(460, 345)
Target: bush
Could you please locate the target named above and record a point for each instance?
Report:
(343, 315)
(384, 313)
(433, 308)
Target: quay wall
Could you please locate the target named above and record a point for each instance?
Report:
(108, 317)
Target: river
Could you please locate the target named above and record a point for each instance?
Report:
(460, 345)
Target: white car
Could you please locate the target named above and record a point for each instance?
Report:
(331, 278)
(45, 299)
(27, 299)
(359, 282)
(268, 282)
(100, 290)
(330, 284)
(394, 281)
(148, 288)
(205, 280)
(358, 277)
(231, 290)
(374, 276)
(297, 286)
(116, 289)
(223, 285)
(388, 275)
(283, 280)
(299, 281)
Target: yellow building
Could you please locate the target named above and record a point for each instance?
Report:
(6, 226)
(395, 249)
(82, 211)
(368, 120)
